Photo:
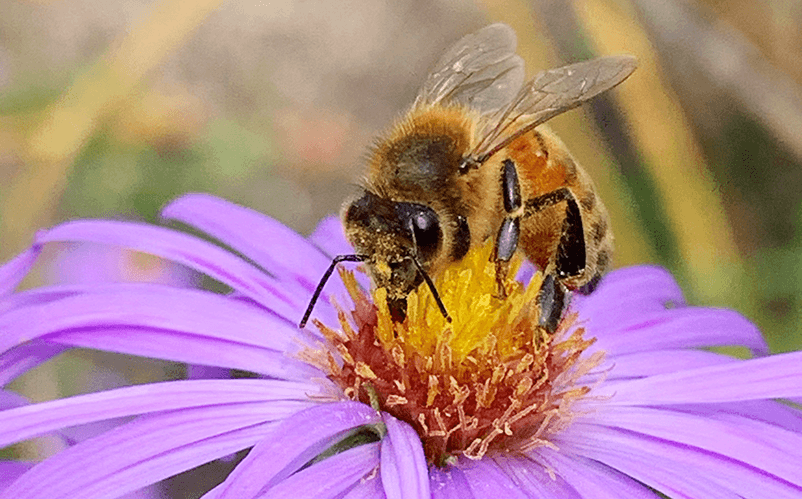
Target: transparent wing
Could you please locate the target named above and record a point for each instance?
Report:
(481, 71)
(550, 93)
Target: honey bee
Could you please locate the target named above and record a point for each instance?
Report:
(470, 161)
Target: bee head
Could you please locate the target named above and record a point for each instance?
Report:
(401, 239)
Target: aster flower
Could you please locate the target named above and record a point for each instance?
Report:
(622, 401)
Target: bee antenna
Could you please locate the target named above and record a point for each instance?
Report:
(319, 289)
(433, 289)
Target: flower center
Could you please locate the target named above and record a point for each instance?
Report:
(492, 380)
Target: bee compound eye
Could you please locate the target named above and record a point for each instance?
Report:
(427, 232)
(422, 225)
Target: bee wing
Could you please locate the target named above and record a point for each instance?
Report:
(550, 93)
(481, 71)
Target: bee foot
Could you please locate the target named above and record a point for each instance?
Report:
(502, 268)
(501, 289)
(553, 299)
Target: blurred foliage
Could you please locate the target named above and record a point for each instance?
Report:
(273, 105)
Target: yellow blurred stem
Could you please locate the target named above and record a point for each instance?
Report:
(73, 117)
(68, 123)
(579, 134)
(674, 158)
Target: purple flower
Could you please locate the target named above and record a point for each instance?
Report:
(111, 264)
(643, 408)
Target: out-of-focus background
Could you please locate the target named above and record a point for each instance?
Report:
(112, 108)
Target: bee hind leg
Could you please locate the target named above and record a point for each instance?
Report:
(569, 260)
(591, 285)
(552, 300)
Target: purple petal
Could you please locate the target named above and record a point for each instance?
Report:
(329, 237)
(764, 446)
(756, 379)
(36, 419)
(330, 477)
(487, 480)
(87, 263)
(369, 487)
(214, 493)
(450, 483)
(186, 250)
(533, 478)
(592, 479)
(40, 296)
(190, 348)
(207, 372)
(669, 479)
(10, 400)
(25, 357)
(269, 243)
(642, 364)
(11, 470)
(148, 450)
(152, 492)
(623, 294)
(672, 469)
(15, 270)
(404, 471)
(296, 262)
(526, 272)
(767, 411)
(186, 312)
(294, 443)
(688, 327)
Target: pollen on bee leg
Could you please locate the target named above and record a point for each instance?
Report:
(490, 381)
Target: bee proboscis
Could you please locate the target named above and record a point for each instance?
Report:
(471, 161)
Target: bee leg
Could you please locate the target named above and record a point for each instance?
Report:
(502, 268)
(398, 309)
(570, 257)
(506, 244)
(569, 260)
(590, 286)
(507, 240)
(552, 300)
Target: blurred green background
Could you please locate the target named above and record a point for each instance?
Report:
(111, 108)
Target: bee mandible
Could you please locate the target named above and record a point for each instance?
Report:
(470, 161)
